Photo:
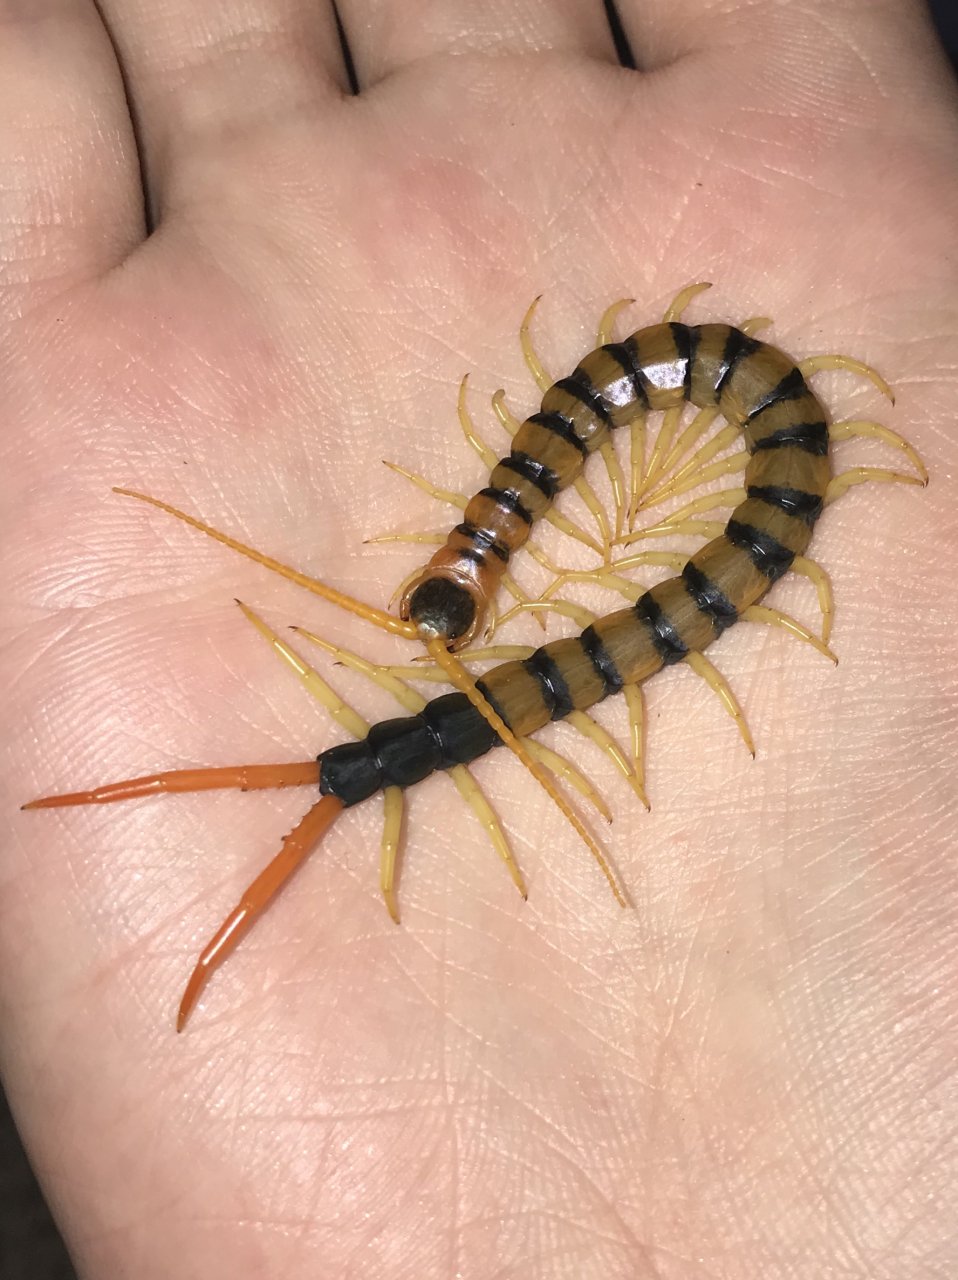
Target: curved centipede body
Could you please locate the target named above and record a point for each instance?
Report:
(720, 369)
(752, 384)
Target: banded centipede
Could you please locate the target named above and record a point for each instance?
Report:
(718, 368)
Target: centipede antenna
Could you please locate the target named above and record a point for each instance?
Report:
(460, 678)
(294, 850)
(426, 539)
(717, 682)
(378, 618)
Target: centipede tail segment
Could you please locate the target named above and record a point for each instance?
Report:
(718, 368)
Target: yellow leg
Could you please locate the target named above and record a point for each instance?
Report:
(692, 434)
(668, 559)
(708, 502)
(875, 431)
(460, 679)
(775, 618)
(865, 475)
(826, 600)
(729, 466)
(478, 802)
(717, 682)
(720, 441)
(616, 482)
(581, 616)
(815, 364)
(473, 438)
(705, 417)
(393, 812)
(385, 621)
(413, 702)
(685, 528)
(682, 299)
(563, 768)
(637, 442)
(635, 701)
(458, 500)
(533, 363)
(591, 729)
(609, 317)
(671, 420)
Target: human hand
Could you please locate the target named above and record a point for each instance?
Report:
(749, 1074)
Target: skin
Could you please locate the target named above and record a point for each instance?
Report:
(750, 1073)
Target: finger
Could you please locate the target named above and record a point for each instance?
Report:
(70, 197)
(385, 35)
(801, 32)
(203, 77)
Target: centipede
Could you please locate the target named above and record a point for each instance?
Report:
(721, 371)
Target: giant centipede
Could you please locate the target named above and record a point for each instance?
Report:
(719, 368)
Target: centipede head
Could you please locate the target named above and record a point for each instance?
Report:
(447, 604)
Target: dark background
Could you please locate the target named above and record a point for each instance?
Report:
(30, 1247)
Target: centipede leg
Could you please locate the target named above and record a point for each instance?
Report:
(826, 600)
(717, 682)
(848, 364)
(775, 618)
(393, 811)
(865, 475)
(876, 431)
(721, 440)
(606, 333)
(590, 728)
(635, 701)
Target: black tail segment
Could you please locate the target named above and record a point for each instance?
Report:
(398, 753)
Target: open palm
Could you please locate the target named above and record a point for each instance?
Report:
(752, 1072)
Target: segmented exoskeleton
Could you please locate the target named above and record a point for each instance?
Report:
(754, 386)
(717, 367)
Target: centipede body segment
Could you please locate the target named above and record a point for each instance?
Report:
(760, 392)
